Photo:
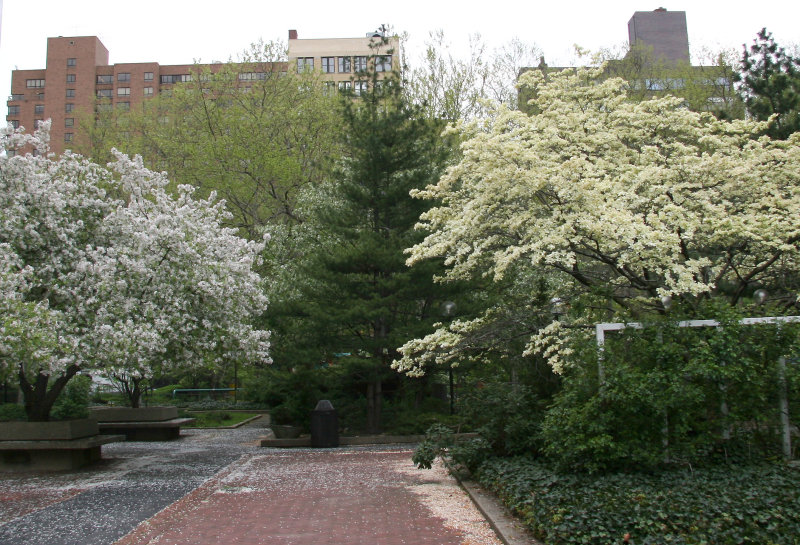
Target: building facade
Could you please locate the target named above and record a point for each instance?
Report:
(663, 31)
(340, 60)
(78, 78)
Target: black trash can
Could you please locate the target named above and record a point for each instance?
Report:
(324, 426)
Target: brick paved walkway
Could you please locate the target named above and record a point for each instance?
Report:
(218, 486)
(304, 498)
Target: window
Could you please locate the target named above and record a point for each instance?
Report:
(104, 93)
(70, 78)
(104, 107)
(36, 123)
(105, 79)
(70, 93)
(383, 63)
(345, 65)
(68, 137)
(72, 62)
(148, 76)
(13, 110)
(330, 88)
(148, 91)
(328, 65)
(38, 109)
(124, 105)
(14, 123)
(360, 64)
(124, 76)
(69, 122)
(34, 83)
(345, 86)
(176, 78)
(12, 152)
(123, 91)
(359, 88)
(17, 97)
(68, 108)
(305, 64)
(252, 76)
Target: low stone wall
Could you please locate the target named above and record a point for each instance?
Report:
(128, 414)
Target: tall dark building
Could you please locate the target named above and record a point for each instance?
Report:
(664, 31)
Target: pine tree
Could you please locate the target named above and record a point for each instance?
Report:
(770, 84)
(364, 300)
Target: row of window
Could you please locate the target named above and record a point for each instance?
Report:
(38, 109)
(357, 87)
(345, 65)
(68, 122)
(122, 92)
(123, 77)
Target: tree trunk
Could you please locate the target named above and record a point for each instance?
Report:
(38, 398)
(374, 405)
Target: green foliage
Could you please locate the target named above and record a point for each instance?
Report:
(671, 395)
(358, 296)
(290, 396)
(770, 82)
(12, 411)
(507, 416)
(441, 442)
(73, 402)
(216, 419)
(724, 504)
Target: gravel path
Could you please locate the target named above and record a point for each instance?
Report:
(218, 486)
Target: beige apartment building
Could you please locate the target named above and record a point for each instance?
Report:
(339, 60)
(78, 78)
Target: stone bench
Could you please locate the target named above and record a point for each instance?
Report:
(141, 424)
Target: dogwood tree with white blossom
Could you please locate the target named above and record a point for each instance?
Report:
(633, 200)
(127, 278)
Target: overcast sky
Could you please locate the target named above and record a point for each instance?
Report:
(183, 31)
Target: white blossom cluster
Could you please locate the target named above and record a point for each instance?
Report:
(643, 199)
(105, 269)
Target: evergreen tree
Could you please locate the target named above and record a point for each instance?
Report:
(363, 300)
(770, 84)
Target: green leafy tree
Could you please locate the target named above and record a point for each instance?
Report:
(769, 79)
(362, 299)
(251, 131)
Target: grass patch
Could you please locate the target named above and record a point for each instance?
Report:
(217, 419)
(724, 504)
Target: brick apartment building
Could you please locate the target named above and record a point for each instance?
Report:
(77, 78)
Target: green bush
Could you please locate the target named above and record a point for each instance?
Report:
(290, 396)
(12, 411)
(723, 504)
(507, 416)
(669, 394)
(73, 402)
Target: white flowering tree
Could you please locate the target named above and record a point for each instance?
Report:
(104, 270)
(630, 201)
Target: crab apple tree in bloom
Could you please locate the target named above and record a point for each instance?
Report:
(628, 200)
(105, 270)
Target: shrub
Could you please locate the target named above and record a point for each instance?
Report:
(12, 411)
(721, 504)
(73, 402)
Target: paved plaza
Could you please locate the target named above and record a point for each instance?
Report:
(219, 486)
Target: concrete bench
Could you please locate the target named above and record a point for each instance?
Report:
(141, 424)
